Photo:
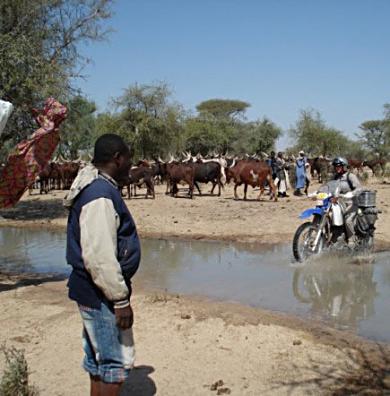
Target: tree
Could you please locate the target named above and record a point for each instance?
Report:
(39, 54)
(215, 127)
(78, 132)
(150, 119)
(356, 150)
(204, 135)
(263, 135)
(223, 108)
(312, 135)
(375, 134)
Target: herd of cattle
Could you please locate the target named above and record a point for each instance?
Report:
(192, 171)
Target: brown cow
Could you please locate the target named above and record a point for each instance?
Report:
(138, 176)
(44, 179)
(177, 172)
(253, 173)
(374, 164)
(69, 173)
(355, 164)
(55, 176)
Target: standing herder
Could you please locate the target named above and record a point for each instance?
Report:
(300, 173)
(281, 179)
(104, 250)
(271, 162)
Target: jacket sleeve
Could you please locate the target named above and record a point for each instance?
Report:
(357, 187)
(98, 238)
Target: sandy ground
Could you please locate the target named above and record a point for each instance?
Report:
(205, 217)
(188, 346)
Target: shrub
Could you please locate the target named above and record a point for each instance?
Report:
(363, 176)
(14, 381)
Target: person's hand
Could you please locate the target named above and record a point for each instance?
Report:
(124, 317)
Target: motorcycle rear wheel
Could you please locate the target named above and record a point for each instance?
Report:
(366, 244)
(303, 241)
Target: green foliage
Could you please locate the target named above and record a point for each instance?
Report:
(262, 136)
(14, 381)
(108, 123)
(39, 54)
(150, 120)
(375, 134)
(222, 108)
(356, 150)
(219, 127)
(312, 135)
(78, 132)
(204, 135)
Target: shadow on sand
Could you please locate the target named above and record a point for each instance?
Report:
(35, 210)
(12, 282)
(139, 383)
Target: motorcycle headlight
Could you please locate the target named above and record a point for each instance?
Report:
(320, 198)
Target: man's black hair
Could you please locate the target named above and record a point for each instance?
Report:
(106, 146)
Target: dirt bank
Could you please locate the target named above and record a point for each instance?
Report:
(191, 346)
(205, 217)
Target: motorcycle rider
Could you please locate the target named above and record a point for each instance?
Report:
(348, 182)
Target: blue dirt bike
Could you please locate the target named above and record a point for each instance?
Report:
(330, 227)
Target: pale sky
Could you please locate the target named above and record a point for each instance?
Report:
(280, 56)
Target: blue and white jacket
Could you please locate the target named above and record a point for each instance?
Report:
(102, 242)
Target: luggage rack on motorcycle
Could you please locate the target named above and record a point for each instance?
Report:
(366, 199)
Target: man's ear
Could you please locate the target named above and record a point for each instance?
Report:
(116, 158)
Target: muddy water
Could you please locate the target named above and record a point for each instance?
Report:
(348, 293)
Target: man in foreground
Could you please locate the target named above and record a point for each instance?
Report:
(104, 250)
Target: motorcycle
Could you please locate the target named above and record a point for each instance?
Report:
(337, 223)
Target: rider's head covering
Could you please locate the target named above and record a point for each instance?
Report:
(340, 161)
(301, 153)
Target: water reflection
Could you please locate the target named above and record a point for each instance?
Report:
(337, 289)
(27, 250)
(342, 292)
(14, 251)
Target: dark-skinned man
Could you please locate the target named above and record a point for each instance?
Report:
(104, 251)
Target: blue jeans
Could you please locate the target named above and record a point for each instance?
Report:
(109, 350)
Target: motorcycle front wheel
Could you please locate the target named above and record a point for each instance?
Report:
(303, 242)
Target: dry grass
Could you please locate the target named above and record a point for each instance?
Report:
(14, 381)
